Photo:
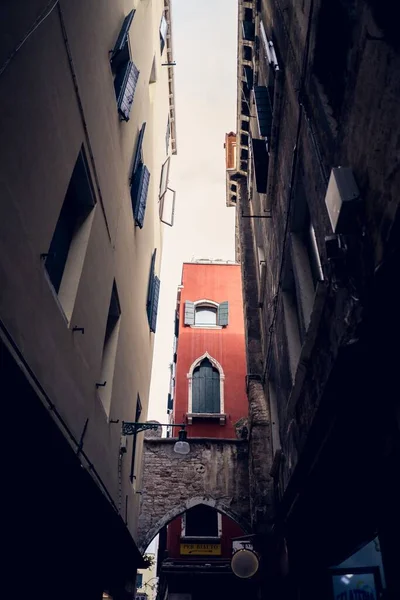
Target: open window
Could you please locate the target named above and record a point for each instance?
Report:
(126, 74)
(64, 259)
(206, 313)
(140, 182)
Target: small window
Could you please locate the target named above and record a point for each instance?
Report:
(125, 71)
(205, 315)
(65, 258)
(153, 294)
(201, 521)
(139, 580)
(163, 33)
(264, 110)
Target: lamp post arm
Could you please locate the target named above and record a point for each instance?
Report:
(131, 427)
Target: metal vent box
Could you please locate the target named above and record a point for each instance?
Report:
(342, 200)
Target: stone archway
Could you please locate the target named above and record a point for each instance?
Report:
(215, 473)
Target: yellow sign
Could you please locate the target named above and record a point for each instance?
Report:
(201, 549)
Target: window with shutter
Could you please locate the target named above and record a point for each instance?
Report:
(189, 312)
(206, 388)
(223, 314)
(120, 52)
(153, 295)
(125, 86)
(138, 156)
(264, 110)
(139, 191)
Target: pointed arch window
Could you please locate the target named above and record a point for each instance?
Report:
(206, 393)
(206, 390)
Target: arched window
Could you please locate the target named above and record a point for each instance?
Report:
(206, 396)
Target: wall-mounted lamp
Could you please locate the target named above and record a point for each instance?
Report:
(181, 446)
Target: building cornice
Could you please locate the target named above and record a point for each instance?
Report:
(171, 77)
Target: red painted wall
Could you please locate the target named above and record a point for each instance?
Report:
(217, 282)
(230, 530)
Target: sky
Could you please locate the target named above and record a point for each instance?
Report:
(204, 37)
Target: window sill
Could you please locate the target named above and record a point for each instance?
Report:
(206, 417)
(206, 326)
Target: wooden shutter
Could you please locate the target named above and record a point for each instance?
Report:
(206, 389)
(125, 86)
(189, 312)
(151, 285)
(223, 314)
(137, 159)
(123, 35)
(154, 304)
(139, 191)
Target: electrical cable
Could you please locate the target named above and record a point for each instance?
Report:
(42, 17)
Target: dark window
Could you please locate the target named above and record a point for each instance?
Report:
(114, 313)
(170, 402)
(264, 110)
(201, 521)
(248, 31)
(153, 294)
(78, 203)
(261, 161)
(126, 72)
(245, 109)
(140, 182)
(244, 125)
(206, 388)
(163, 33)
(139, 580)
(248, 75)
(247, 53)
(138, 412)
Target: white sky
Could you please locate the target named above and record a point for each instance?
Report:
(204, 45)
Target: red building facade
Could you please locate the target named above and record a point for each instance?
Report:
(208, 393)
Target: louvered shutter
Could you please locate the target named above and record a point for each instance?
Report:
(138, 150)
(151, 285)
(206, 389)
(154, 304)
(223, 314)
(125, 85)
(189, 312)
(264, 110)
(139, 191)
(123, 36)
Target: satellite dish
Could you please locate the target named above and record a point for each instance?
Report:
(245, 563)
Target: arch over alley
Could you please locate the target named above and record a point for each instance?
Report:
(214, 473)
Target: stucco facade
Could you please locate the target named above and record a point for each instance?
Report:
(58, 102)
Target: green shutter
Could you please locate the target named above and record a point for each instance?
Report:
(154, 304)
(223, 314)
(189, 312)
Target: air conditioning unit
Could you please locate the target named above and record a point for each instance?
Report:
(342, 200)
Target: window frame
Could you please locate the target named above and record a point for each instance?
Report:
(187, 537)
(221, 417)
(206, 304)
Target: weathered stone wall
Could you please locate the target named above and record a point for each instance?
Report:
(214, 473)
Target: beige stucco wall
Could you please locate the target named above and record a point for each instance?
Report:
(42, 131)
